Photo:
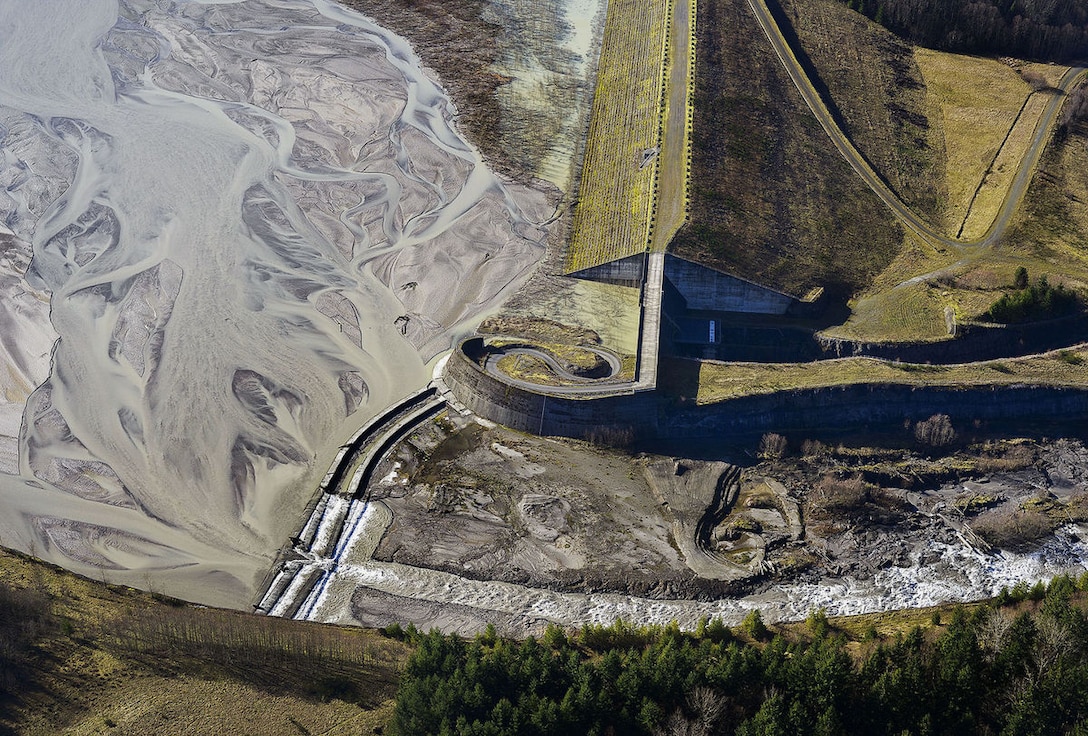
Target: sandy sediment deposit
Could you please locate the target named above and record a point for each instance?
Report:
(239, 230)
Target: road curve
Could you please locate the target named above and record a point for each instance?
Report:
(579, 385)
(861, 166)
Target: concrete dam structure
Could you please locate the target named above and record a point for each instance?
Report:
(624, 415)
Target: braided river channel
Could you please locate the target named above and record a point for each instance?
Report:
(230, 232)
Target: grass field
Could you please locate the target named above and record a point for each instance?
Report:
(674, 165)
(616, 198)
(979, 100)
(721, 381)
(1048, 237)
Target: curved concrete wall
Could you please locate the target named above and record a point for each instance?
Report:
(649, 415)
(605, 418)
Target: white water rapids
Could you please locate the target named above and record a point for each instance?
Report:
(229, 233)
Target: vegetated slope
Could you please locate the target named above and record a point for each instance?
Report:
(772, 199)
(875, 87)
(615, 199)
(1050, 236)
(453, 38)
(79, 656)
(1034, 29)
(999, 669)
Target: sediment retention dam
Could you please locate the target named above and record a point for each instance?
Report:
(653, 415)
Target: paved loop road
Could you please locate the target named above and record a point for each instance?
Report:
(582, 385)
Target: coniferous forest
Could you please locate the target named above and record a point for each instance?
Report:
(1018, 666)
(1051, 30)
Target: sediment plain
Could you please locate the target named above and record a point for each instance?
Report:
(232, 232)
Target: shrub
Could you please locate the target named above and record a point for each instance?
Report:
(1038, 301)
(937, 431)
(832, 492)
(772, 446)
(1037, 82)
(1017, 529)
(1069, 357)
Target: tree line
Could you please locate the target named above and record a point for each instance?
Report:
(1017, 666)
(1051, 30)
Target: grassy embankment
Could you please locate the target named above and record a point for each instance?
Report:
(82, 657)
(721, 381)
(616, 198)
(773, 203)
(771, 198)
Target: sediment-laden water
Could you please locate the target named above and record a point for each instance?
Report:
(229, 232)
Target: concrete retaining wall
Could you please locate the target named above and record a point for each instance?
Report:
(975, 342)
(648, 415)
(861, 406)
(631, 416)
(706, 289)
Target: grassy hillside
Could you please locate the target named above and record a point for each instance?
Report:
(771, 197)
(878, 91)
(82, 657)
(1051, 234)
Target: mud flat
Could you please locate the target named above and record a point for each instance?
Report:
(232, 232)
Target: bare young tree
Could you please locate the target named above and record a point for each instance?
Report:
(937, 431)
(772, 446)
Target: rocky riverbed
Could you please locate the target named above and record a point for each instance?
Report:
(517, 531)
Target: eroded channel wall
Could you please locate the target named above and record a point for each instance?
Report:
(854, 407)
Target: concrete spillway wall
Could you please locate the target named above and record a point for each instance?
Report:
(632, 415)
(709, 289)
(649, 415)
